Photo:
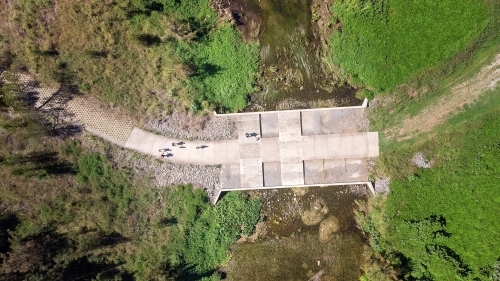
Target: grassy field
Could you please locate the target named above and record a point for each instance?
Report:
(440, 223)
(384, 43)
(127, 53)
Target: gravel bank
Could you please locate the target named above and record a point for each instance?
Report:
(169, 174)
(207, 127)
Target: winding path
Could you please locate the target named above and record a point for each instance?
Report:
(312, 147)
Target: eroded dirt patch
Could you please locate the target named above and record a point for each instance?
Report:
(465, 93)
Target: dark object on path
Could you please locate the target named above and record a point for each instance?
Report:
(182, 147)
(258, 138)
(166, 155)
(164, 149)
(247, 135)
(173, 144)
(198, 147)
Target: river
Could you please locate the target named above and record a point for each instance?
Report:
(290, 250)
(294, 74)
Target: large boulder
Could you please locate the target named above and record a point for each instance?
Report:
(316, 213)
(327, 227)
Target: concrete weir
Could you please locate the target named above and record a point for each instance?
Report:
(274, 149)
(299, 148)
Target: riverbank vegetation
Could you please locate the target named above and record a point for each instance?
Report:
(381, 44)
(440, 223)
(144, 56)
(69, 212)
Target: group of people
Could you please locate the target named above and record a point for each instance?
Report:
(165, 153)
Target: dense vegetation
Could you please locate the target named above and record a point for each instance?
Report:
(129, 53)
(68, 212)
(384, 43)
(441, 223)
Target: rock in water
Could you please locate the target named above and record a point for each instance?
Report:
(327, 227)
(316, 213)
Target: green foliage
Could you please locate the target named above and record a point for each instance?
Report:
(95, 171)
(383, 43)
(121, 52)
(203, 232)
(225, 68)
(443, 220)
(365, 93)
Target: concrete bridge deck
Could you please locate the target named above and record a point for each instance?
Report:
(286, 149)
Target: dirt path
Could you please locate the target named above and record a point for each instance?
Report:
(465, 93)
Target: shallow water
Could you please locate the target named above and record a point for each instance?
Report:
(291, 62)
(291, 250)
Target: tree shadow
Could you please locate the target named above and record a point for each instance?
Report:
(7, 222)
(66, 130)
(148, 40)
(38, 161)
(186, 272)
(83, 269)
(452, 257)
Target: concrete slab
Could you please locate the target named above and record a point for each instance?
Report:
(290, 136)
(289, 114)
(314, 172)
(232, 152)
(272, 173)
(331, 121)
(195, 155)
(334, 170)
(208, 153)
(220, 152)
(334, 149)
(249, 150)
(360, 145)
(270, 151)
(311, 123)
(289, 122)
(230, 177)
(248, 124)
(251, 173)
(269, 125)
(346, 145)
(308, 148)
(355, 170)
(321, 146)
(292, 173)
(373, 148)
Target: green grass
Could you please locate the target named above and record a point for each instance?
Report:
(203, 233)
(441, 223)
(385, 43)
(225, 70)
(122, 52)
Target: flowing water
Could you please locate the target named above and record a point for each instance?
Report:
(291, 250)
(293, 75)
(292, 64)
